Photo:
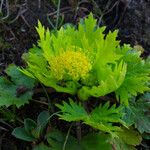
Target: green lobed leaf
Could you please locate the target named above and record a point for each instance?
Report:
(101, 118)
(43, 118)
(41, 146)
(18, 78)
(130, 136)
(21, 133)
(96, 141)
(104, 116)
(18, 90)
(8, 94)
(119, 144)
(138, 113)
(127, 139)
(115, 77)
(56, 140)
(72, 111)
(42, 121)
(29, 125)
(137, 76)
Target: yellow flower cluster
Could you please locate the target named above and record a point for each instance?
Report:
(70, 63)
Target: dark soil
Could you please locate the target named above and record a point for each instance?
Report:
(17, 32)
(131, 17)
(135, 26)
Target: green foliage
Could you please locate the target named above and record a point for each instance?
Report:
(137, 76)
(101, 118)
(32, 130)
(42, 146)
(56, 140)
(138, 113)
(72, 111)
(128, 138)
(96, 141)
(104, 117)
(16, 91)
(22, 134)
(83, 62)
(86, 63)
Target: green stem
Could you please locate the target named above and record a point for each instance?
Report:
(53, 115)
(66, 139)
(50, 22)
(48, 98)
(58, 13)
(78, 130)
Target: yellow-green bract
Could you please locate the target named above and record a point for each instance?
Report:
(81, 61)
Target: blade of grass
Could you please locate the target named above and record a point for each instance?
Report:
(58, 14)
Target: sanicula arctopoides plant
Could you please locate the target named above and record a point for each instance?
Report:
(83, 61)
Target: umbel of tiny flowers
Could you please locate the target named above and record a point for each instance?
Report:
(73, 65)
